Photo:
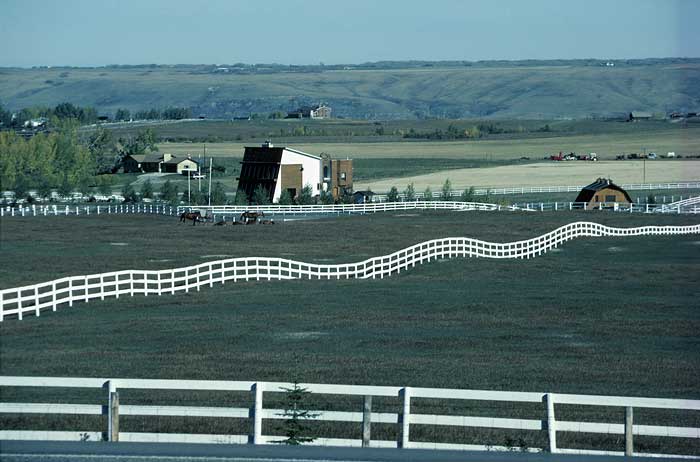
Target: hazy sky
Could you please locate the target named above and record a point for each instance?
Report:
(91, 32)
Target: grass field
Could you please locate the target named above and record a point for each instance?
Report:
(599, 316)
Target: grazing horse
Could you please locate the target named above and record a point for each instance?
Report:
(251, 217)
(194, 216)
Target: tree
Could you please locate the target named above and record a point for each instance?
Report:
(446, 193)
(305, 196)
(143, 142)
(241, 198)
(147, 189)
(467, 195)
(410, 193)
(427, 194)
(169, 193)
(295, 414)
(129, 193)
(393, 195)
(103, 149)
(218, 194)
(122, 115)
(261, 196)
(285, 198)
(326, 198)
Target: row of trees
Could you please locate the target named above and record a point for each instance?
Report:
(61, 112)
(446, 194)
(65, 159)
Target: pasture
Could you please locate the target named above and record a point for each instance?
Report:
(549, 323)
(597, 315)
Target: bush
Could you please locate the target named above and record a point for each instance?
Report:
(393, 195)
(410, 193)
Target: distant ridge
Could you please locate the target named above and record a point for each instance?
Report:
(381, 90)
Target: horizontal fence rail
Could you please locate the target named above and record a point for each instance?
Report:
(51, 294)
(221, 212)
(402, 418)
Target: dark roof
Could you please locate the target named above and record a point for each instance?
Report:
(364, 193)
(587, 193)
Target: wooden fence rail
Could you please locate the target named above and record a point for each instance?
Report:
(403, 418)
(67, 290)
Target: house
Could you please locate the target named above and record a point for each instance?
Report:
(318, 111)
(161, 163)
(279, 168)
(603, 193)
(639, 115)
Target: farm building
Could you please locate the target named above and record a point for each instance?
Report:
(639, 115)
(282, 168)
(317, 111)
(603, 193)
(161, 163)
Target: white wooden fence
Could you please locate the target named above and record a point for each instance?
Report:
(51, 294)
(690, 205)
(403, 418)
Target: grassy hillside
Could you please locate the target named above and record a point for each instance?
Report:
(522, 91)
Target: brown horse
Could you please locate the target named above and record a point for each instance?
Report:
(194, 216)
(251, 217)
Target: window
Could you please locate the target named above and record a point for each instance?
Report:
(609, 198)
(343, 176)
(325, 171)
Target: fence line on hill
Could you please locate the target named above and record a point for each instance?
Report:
(51, 294)
(690, 205)
(402, 418)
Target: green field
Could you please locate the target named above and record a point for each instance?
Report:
(541, 90)
(597, 316)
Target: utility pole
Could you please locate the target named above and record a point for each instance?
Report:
(189, 174)
(210, 167)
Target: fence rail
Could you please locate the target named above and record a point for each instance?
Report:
(221, 212)
(403, 418)
(67, 290)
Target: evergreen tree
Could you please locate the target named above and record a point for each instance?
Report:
(326, 198)
(295, 414)
(427, 194)
(305, 196)
(410, 193)
(446, 193)
(467, 195)
(218, 194)
(393, 195)
(285, 198)
(147, 190)
(261, 196)
(241, 198)
(129, 193)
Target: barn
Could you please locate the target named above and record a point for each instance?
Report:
(603, 193)
(279, 168)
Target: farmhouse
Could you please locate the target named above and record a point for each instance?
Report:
(603, 193)
(161, 163)
(277, 169)
(318, 111)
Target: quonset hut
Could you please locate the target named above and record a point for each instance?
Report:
(603, 193)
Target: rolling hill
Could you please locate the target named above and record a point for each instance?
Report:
(540, 90)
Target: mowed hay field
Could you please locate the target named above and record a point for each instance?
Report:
(607, 145)
(598, 315)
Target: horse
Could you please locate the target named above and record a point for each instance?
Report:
(251, 217)
(267, 222)
(194, 216)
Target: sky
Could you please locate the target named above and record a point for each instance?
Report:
(96, 33)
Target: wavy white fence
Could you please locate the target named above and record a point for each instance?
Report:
(403, 417)
(51, 294)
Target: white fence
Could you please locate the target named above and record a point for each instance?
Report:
(51, 294)
(690, 205)
(511, 190)
(403, 418)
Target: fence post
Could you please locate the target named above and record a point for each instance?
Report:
(629, 444)
(551, 423)
(112, 412)
(366, 421)
(404, 418)
(255, 414)
(2, 309)
(70, 292)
